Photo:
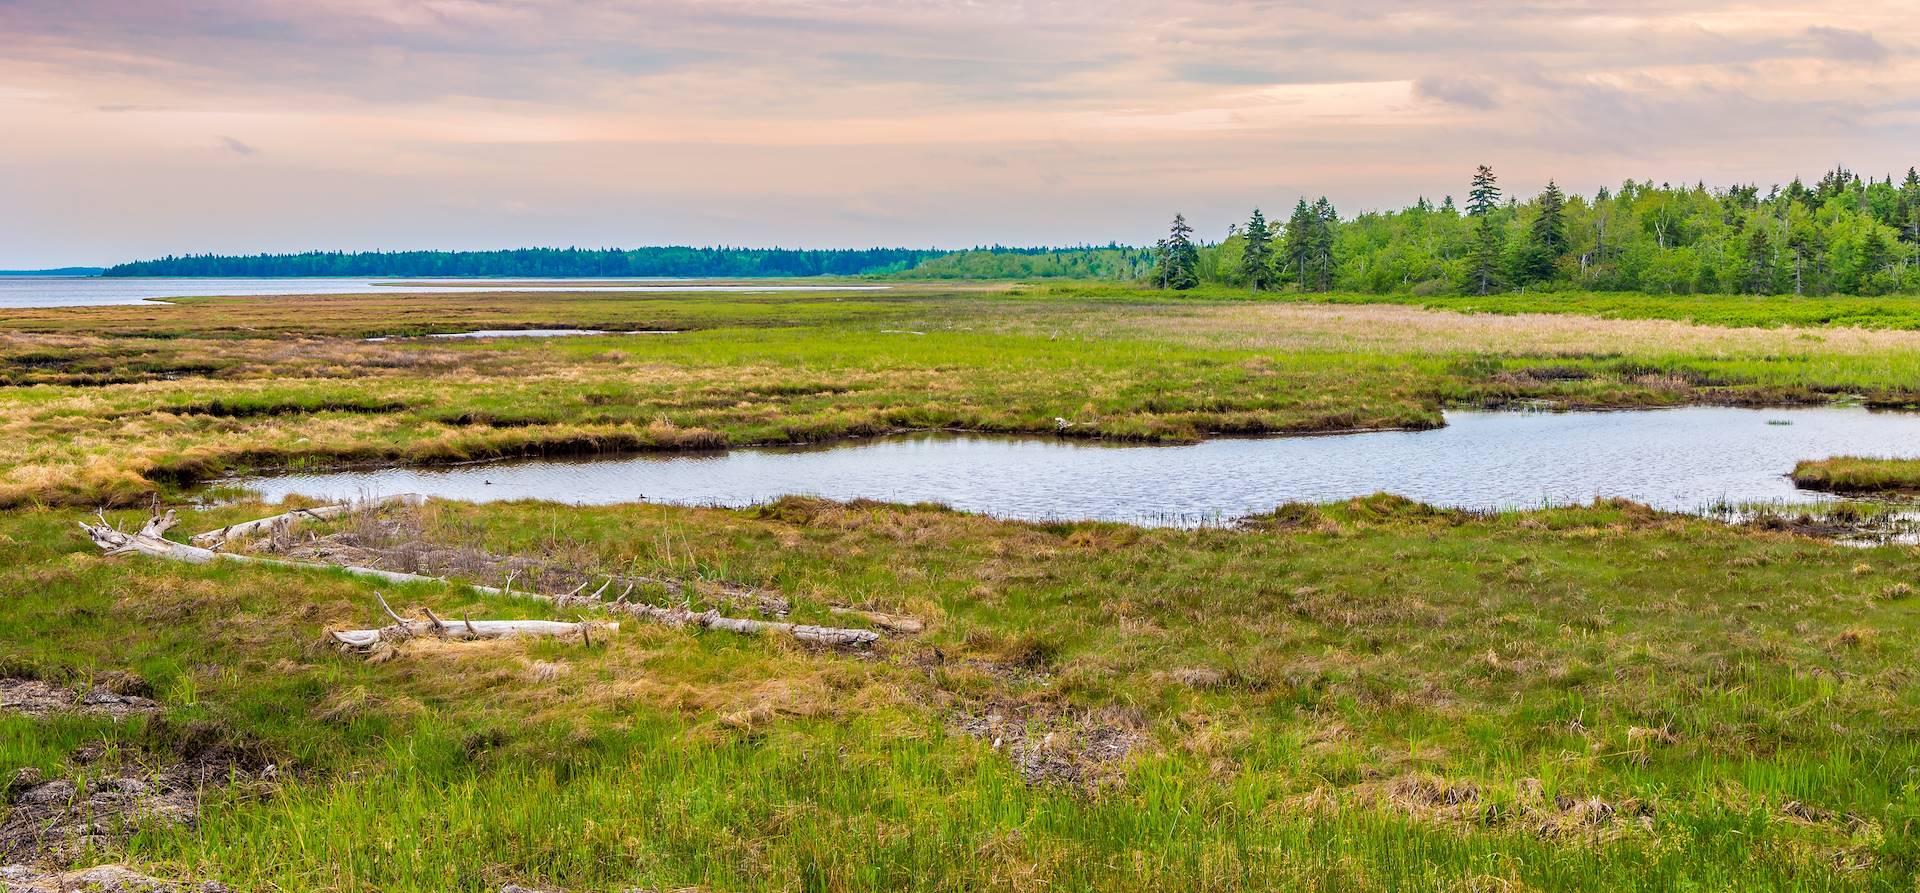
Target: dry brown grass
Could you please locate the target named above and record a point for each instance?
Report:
(1383, 328)
(234, 384)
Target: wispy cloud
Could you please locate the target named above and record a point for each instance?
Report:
(1846, 45)
(1477, 93)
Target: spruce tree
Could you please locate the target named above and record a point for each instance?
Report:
(1909, 215)
(1874, 255)
(1546, 237)
(1179, 260)
(1299, 248)
(1256, 256)
(1325, 221)
(1550, 227)
(1758, 278)
(1483, 258)
(1485, 194)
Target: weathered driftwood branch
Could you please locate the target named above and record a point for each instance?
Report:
(245, 529)
(466, 630)
(828, 636)
(150, 540)
(889, 622)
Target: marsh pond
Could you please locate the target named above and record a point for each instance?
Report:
(1689, 459)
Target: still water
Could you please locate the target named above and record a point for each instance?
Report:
(87, 291)
(1679, 459)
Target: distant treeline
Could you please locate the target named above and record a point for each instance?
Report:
(56, 271)
(562, 263)
(1840, 235)
(1112, 261)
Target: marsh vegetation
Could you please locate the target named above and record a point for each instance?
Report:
(1369, 694)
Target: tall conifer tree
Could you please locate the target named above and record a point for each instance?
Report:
(1179, 261)
(1483, 259)
(1256, 256)
(1546, 236)
(1485, 194)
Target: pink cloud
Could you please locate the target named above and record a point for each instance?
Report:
(791, 121)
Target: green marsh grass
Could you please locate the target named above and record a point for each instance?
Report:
(145, 399)
(1621, 719)
(1859, 474)
(1370, 695)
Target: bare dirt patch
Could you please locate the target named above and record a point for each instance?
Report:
(1431, 798)
(57, 819)
(99, 879)
(52, 821)
(34, 697)
(1059, 745)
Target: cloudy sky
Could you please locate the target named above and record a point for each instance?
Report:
(135, 128)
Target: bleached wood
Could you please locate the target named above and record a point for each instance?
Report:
(150, 541)
(828, 636)
(468, 630)
(245, 529)
(889, 622)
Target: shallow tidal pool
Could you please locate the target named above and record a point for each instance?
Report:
(1688, 459)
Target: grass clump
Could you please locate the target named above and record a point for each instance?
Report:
(1857, 474)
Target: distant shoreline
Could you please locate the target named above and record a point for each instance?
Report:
(54, 273)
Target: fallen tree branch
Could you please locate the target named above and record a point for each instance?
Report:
(465, 631)
(150, 540)
(245, 529)
(889, 622)
(828, 636)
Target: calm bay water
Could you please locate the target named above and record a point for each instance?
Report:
(29, 291)
(1680, 459)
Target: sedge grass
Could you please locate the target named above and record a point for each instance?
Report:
(1746, 728)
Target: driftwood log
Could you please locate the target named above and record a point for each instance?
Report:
(213, 538)
(889, 622)
(827, 636)
(151, 539)
(463, 630)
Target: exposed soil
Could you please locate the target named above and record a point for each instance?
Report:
(54, 820)
(1059, 745)
(1838, 524)
(33, 697)
(57, 819)
(1431, 798)
(100, 879)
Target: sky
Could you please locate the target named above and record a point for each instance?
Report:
(138, 128)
